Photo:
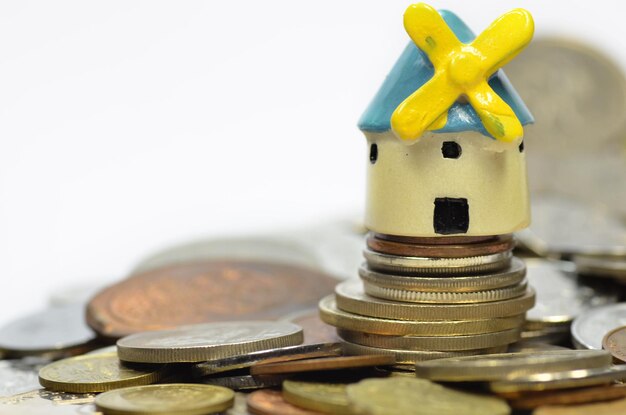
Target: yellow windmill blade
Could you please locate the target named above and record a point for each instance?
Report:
(497, 116)
(430, 32)
(423, 107)
(504, 39)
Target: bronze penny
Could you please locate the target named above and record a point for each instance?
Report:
(315, 330)
(444, 240)
(499, 244)
(569, 397)
(203, 292)
(270, 402)
(324, 363)
(614, 342)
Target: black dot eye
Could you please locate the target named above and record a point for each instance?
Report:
(521, 147)
(451, 150)
(373, 153)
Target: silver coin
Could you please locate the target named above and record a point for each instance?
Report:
(562, 226)
(560, 296)
(244, 382)
(54, 329)
(578, 98)
(266, 356)
(201, 342)
(590, 327)
(44, 402)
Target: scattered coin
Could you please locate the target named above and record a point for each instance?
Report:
(201, 342)
(411, 396)
(172, 399)
(560, 380)
(507, 365)
(511, 275)
(602, 266)
(617, 407)
(315, 330)
(271, 402)
(426, 265)
(496, 245)
(56, 329)
(569, 397)
(341, 319)
(320, 364)
(94, 373)
(590, 327)
(615, 343)
(244, 382)
(328, 398)
(350, 297)
(441, 343)
(560, 295)
(205, 292)
(283, 354)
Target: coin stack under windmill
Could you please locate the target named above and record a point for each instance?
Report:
(446, 189)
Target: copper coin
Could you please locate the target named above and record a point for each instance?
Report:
(614, 342)
(202, 292)
(444, 240)
(270, 402)
(498, 244)
(315, 330)
(324, 363)
(569, 397)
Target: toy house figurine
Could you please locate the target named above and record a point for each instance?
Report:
(445, 135)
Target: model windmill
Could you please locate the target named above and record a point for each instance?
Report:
(446, 189)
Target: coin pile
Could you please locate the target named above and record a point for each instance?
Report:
(428, 298)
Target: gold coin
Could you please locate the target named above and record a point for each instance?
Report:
(338, 318)
(350, 297)
(443, 297)
(201, 342)
(328, 398)
(410, 357)
(171, 399)
(94, 373)
(560, 380)
(428, 265)
(510, 276)
(447, 343)
(412, 396)
(506, 365)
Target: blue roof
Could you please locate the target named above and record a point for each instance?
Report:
(413, 69)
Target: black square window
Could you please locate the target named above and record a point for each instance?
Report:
(451, 150)
(451, 215)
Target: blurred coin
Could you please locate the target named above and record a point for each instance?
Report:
(200, 342)
(569, 397)
(616, 407)
(590, 327)
(53, 330)
(172, 399)
(351, 298)
(550, 335)
(410, 396)
(507, 365)
(205, 292)
(496, 245)
(320, 364)
(560, 295)
(243, 382)
(315, 330)
(338, 318)
(533, 346)
(283, 354)
(512, 275)
(435, 266)
(95, 373)
(328, 398)
(271, 402)
(103, 350)
(45, 402)
(578, 98)
(560, 380)
(615, 343)
(601, 266)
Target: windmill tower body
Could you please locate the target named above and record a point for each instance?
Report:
(453, 181)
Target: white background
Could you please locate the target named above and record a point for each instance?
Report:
(127, 126)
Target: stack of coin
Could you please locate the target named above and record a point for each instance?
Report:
(427, 298)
